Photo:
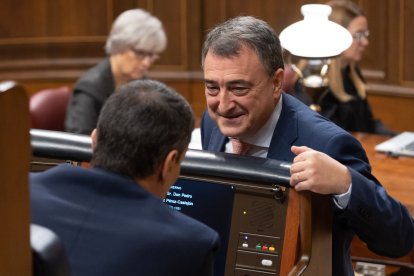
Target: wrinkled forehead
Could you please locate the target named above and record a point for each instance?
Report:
(246, 65)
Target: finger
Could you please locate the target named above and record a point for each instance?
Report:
(298, 150)
(300, 158)
(297, 177)
(302, 186)
(301, 182)
(297, 167)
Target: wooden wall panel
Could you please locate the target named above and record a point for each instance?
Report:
(64, 18)
(195, 32)
(374, 60)
(174, 12)
(55, 41)
(393, 54)
(32, 16)
(407, 38)
(278, 14)
(119, 6)
(396, 113)
(52, 18)
(212, 13)
(51, 29)
(53, 37)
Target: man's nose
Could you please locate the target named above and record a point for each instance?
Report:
(225, 100)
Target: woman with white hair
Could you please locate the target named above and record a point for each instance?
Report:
(134, 43)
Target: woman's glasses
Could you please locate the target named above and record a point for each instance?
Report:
(141, 55)
(361, 35)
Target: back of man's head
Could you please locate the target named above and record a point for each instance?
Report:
(139, 125)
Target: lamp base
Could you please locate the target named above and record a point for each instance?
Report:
(315, 107)
(316, 95)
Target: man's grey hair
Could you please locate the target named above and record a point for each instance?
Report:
(227, 38)
(136, 29)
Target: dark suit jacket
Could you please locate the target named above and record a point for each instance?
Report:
(109, 225)
(379, 220)
(89, 95)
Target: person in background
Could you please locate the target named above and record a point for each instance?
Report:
(248, 113)
(134, 43)
(346, 102)
(111, 218)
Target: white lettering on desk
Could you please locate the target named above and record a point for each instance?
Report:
(176, 198)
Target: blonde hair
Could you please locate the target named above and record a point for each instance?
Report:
(343, 12)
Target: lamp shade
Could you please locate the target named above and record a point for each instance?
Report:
(315, 36)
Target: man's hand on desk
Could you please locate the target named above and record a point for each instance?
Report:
(317, 172)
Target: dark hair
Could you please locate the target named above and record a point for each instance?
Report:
(139, 125)
(344, 11)
(227, 38)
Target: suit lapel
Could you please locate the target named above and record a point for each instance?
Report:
(286, 132)
(284, 135)
(217, 140)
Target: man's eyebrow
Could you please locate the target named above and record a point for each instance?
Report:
(209, 81)
(233, 82)
(239, 82)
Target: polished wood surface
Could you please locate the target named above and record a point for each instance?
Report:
(396, 174)
(15, 152)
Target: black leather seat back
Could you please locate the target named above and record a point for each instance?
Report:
(49, 255)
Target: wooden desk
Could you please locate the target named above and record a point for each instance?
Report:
(396, 174)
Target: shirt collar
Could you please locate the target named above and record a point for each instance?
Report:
(263, 137)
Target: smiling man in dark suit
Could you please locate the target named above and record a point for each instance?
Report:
(243, 74)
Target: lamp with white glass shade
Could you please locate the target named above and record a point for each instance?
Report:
(317, 39)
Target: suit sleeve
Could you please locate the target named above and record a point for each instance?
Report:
(207, 268)
(378, 219)
(82, 112)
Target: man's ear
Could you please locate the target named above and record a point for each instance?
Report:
(169, 167)
(278, 80)
(93, 137)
